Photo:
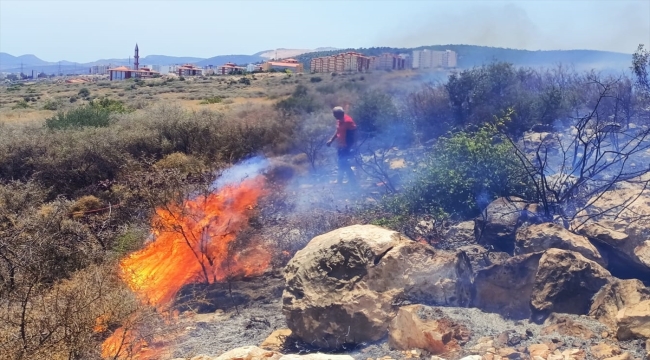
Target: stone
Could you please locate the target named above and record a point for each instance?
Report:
(461, 233)
(541, 350)
(422, 327)
(614, 296)
(541, 237)
(634, 321)
(622, 227)
(249, 353)
(623, 356)
(344, 286)
(564, 325)
(574, 354)
(472, 357)
(496, 227)
(316, 356)
(565, 283)
(604, 350)
(510, 353)
(509, 338)
(495, 286)
(276, 341)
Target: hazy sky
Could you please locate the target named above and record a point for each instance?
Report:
(88, 30)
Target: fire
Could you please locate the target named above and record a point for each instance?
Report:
(194, 243)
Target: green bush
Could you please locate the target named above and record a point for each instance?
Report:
(374, 111)
(79, 117)
(463, 174)
(84, 93)
(22, 104)
(211, 100)
(110, 105)
(299, 102)
(316, 79)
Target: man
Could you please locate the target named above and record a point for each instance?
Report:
(345, 136)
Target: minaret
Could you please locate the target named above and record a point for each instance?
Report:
(136, 58)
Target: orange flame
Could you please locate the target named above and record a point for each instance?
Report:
(193, 243)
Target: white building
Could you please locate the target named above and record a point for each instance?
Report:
(427, 59)
(251, 67)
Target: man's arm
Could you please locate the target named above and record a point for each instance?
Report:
(332, 139)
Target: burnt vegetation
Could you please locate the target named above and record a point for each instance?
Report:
(78, 193)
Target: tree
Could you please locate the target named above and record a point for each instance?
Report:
(570, 169)
(640, 67)
(312, 137)
(84, 92)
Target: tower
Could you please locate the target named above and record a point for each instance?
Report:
(136, 58)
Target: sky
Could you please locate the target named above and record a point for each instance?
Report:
(88, 30)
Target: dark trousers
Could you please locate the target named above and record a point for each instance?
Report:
(344, 156)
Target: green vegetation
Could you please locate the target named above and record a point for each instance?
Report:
(79, 117)
(212, 100)
(84, 93)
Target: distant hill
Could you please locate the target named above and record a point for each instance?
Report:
(7, 60)
(282, 53)
(237, 59)
(471, 55)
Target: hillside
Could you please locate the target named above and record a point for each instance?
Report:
(471, 55)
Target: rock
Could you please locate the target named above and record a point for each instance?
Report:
(624, 210)
(565, 283)
(249, 353)
(541, 237)
(614, 296)
(478, 257)
(496, 227)
(343, 287)
(634, 321)
(541, 350)
(422, 327)
(495, 286)
(624, 356)
(276, 341)
(316, 356)
(461, 233)
(565, 326)
(472, 357)
(604, 350)
(574, 354)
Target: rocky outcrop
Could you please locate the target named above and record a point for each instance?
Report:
(565, 283)
(422, 327)
(628, 255)
(614, 296)
(343, 287)
(277, 340)
(633, 321)
(540, 237)
(496, 286)
(461, 233)
(496, 227)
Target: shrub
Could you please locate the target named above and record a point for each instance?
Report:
(109, 105)
(316, 79)
(299, 102)
(22, 104)
(51, 105)
(211, 100)
(73, 99)
(84, 93)
(463, 174)
(374, 111)
(184, 163)
(79, 117)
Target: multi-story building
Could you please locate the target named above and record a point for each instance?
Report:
(344, 62)
(99, 69)
(389, 62)
(427, 59)
(189, 70)
(282, 65)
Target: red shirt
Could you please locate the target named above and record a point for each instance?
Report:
(342, 126)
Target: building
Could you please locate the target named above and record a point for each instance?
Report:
(123, 73)
(427, 59)
(189, 70)
(229, 68)
(99, 69)
(289, 64)
(344, 62)
(389, 62)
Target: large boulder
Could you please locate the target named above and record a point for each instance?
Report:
(622, 216)
(629, 255)
(496, 227)
(634, 321)
(249, 353)
(614, 296)
(540, 237)
(565, 282)
(422, 327)
(506, 288)
(480, 258)
(344, 286)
